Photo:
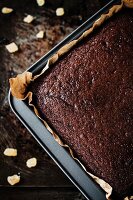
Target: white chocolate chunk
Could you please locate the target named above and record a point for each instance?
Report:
(60, 11)
(32, 162)
(28, 19)
(6, 10)
(14, 179)
(12, 47)
(40, 2)
(40, 34)
(10, 152)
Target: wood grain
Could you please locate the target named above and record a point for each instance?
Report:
(41, 194)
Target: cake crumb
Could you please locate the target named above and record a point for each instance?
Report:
(6, 10)
(10, 152)
(40, 34)
(40, 2)
(32, 162)
(12, 47)
(14, 179)
(60, 11)
(28, 19)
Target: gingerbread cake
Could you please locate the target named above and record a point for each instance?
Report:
(87, 98)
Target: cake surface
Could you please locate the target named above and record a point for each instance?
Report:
(87, 98)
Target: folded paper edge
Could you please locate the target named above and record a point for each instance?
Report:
(19, 85)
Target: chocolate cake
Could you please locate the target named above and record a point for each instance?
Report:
(87, 98)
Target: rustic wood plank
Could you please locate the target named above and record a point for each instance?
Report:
(46, 174)
(40, 194)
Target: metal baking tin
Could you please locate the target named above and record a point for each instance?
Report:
(62, 158)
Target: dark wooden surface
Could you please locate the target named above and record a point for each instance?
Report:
(46, 181)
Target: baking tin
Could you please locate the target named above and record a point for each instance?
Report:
(88, 187)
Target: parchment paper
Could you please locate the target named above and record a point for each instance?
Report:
(19, 85)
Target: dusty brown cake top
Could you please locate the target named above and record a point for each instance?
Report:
(87, 98)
